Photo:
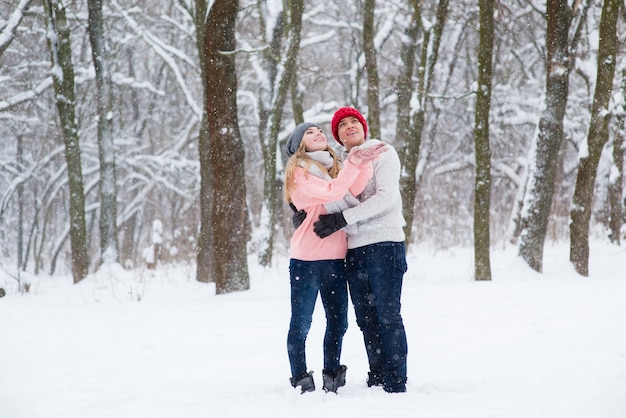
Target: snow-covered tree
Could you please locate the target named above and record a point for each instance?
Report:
(222, 159)
(411, 119)
(58, 31)
(109, 251)
(543, 168)
(616, 174)
(598, 135)
(482, 187)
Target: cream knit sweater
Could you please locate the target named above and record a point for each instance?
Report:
(378, 218)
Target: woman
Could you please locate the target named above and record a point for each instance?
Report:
(316, 182)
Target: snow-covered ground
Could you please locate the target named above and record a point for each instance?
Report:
(159, 344)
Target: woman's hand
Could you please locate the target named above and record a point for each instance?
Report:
(366, 155)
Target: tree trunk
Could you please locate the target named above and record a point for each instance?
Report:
(410, 146)
(109, 249)
(411, 139)
(371, 68)
(540, 188)
(19, 157)
(596, 138)
(482, 188)
(404, 85)
(63, 78)
(267, 98)
(520, 208)
(616, 207)
(269, 144)
(204, 261)
(226, 152)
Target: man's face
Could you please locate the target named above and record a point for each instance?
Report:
(350, 132)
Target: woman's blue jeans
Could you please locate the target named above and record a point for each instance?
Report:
(375, 273)
(307, 279)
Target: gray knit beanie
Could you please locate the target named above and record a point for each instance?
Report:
(293, 143)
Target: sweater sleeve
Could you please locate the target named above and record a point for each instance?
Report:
(387, 181)
(311, 190)
(364, 177)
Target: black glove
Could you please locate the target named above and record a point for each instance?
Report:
(329, 224)
(298, 215)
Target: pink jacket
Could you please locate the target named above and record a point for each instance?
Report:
(310, 193)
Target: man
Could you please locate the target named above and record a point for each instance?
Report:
(376, 258)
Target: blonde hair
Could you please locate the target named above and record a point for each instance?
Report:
(302, 159)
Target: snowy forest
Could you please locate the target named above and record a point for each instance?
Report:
(138, 131)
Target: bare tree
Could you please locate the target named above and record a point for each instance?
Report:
(225, 210)
(482, 187)
(279, 84)
(109, 250)
(204, 260)
(425, 92)
(410, 128)
(596, 138)
(63, 77)
(616, 207)
(371, 68)
(542, 171)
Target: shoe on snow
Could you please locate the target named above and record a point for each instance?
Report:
(333, 380)
(394, 384)
(305, 382)
(374, 379)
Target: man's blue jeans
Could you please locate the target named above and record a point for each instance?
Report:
(375, 273)
(307, 279)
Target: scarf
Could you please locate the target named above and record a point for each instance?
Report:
(325, 159)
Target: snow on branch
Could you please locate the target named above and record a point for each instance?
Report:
(25, 96)
(8, 32)
(165, 52)
(122, 80)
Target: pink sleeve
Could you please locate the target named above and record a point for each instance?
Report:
(361, 181)
(311, 190)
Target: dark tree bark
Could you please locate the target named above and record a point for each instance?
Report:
(63, 79)
(109, 249)
(228, 213)
(597, 136)
(540, 188)
(204, 261)
(371, 68)
(616, 207)
(482, 187)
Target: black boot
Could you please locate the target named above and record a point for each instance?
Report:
(394, 384)
(305, 382)
(333, 380)
(374, 379)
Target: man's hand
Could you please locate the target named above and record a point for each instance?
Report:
(365, 155)
(329, 224)
(298, 215)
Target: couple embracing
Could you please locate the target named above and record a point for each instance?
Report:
(348, 239)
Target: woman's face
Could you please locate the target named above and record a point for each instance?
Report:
(314, 139)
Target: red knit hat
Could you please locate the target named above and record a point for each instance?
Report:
(344, 112)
